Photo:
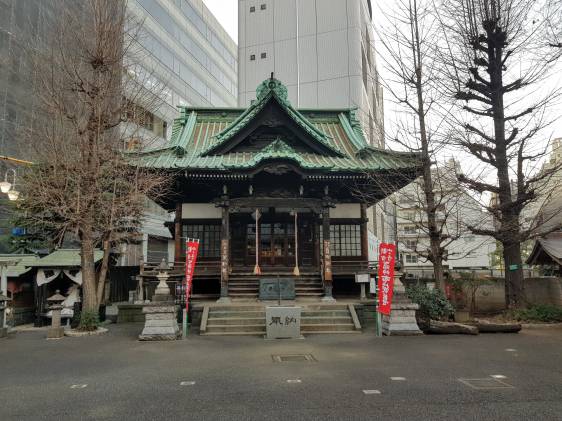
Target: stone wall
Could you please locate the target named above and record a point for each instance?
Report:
(542, 290)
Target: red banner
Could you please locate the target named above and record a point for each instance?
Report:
(385, 285)
(191, 247)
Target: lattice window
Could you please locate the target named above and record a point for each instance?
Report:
(209, 236)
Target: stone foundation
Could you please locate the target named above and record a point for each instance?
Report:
(160, 322)
(402, 319)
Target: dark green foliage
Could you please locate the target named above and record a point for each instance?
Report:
(89, 320)
(433, 303)
(539, 313)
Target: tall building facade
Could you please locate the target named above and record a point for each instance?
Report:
(185, 51)
(323, 51)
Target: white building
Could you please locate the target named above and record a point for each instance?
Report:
(190, 55)
(323, 51)
(456, 210)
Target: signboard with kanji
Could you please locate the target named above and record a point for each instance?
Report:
(387, 253)
(192, 247)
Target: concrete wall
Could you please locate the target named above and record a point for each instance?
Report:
(544, 290)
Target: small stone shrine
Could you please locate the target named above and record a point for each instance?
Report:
(160, 315)
(402, 319)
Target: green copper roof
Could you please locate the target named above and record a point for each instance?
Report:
(200, 140)
(21, 266)
(63, 258)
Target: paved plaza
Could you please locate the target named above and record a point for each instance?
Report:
(328, 377)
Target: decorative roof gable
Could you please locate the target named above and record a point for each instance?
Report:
(272, 92)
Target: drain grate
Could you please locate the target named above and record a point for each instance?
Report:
(486, 383)
(293, 358)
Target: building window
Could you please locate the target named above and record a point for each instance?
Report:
(410, 229)
(252, 57)
(252, 9)
(209, 236)
(411, 244)
(262, 7)
(345, 240)
(411, 258)
(263, 55)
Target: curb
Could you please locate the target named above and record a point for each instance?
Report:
(541, 325)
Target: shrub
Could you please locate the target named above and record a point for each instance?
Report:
(539, 313)
(433, 303)
(89, 320)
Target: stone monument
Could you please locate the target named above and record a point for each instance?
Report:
(402, 319)
(160, 315)
(3, 306)
(56, 331)
(283, 322)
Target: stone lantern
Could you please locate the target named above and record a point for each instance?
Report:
(3, 304)
(160, 315)
(56, 331)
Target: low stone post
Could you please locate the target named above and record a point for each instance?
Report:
(3, 305)
(160, 315)
(402, 319)
(56, 331)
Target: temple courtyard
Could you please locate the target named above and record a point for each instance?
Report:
(346, 376)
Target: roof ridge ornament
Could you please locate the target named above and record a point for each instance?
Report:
(272, 85)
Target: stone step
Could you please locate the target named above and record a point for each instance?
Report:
(331, 332)
(227, 307)
(325, 313)
(236, 314)
(310, 294)
(250, 328)
(242, 288)
(212, 321)
(327, 307)
(326, 327)
(256, 333)
(326, 320)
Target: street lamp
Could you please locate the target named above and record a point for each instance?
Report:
(9, 188)
(5, 185)
(13, 195)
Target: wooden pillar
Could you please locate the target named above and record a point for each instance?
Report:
(327, 258)
(364, 233)
(225, 250)
(178, 235)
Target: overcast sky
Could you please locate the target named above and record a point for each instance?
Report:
(226, 11)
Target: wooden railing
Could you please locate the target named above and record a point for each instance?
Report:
(351, 267)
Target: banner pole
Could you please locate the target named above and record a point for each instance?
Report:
(184, 312)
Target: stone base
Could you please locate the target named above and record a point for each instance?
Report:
(224, 300)
(402, 319)
(327, 299)
(3, 332)
(55, 333)
(160, 322)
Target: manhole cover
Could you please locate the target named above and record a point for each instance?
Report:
(486, 383)
(293, 358)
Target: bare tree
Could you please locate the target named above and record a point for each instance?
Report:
(93, 97)
(408, 44)
(495, 60)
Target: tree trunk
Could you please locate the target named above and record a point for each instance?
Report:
(103, 272)
(514, 287)
(89, 299)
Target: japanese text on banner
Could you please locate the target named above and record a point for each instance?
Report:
(385, 285)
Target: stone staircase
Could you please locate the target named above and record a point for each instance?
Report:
(246, 286)
(239, 319)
